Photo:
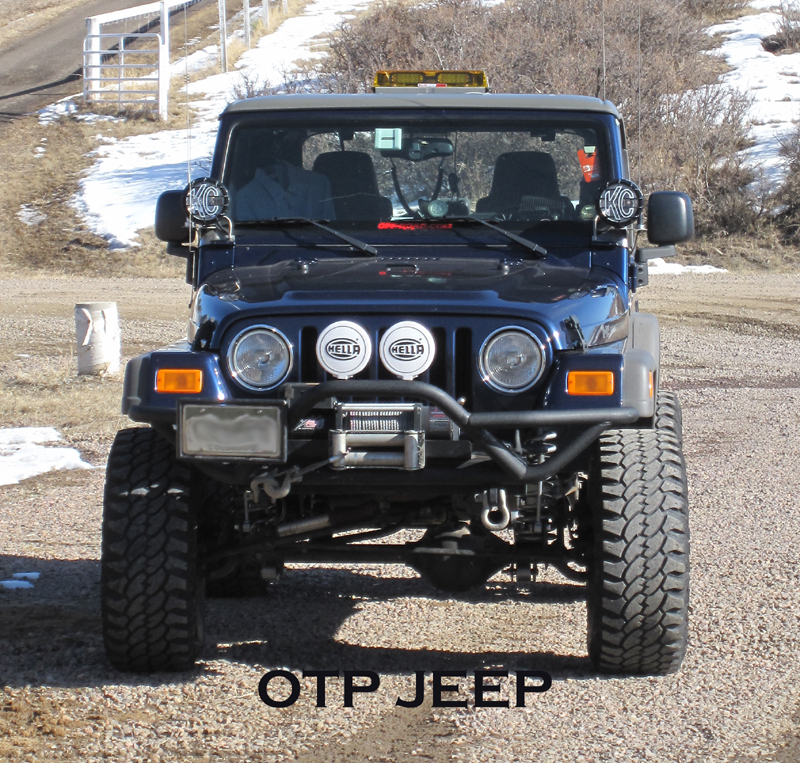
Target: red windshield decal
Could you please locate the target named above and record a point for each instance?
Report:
(413, 226)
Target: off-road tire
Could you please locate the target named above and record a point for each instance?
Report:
(638, 588)
(668, 414)
(151, 595)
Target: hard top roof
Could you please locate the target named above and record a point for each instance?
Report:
(415, 100)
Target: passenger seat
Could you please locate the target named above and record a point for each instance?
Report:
(525, 186)
(354, 185)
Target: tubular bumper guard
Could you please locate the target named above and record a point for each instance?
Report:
(476, 426)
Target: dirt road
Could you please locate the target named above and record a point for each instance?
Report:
(41, 67)
(731, 351)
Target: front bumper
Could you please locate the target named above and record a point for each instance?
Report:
(476, 431)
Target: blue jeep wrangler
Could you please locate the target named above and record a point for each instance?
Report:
(413, 315)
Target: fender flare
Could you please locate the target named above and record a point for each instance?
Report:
(641, 358)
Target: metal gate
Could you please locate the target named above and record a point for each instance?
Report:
(126, 77)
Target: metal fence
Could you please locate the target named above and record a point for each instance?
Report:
(100, 62)
(110, 69)
(127, 77)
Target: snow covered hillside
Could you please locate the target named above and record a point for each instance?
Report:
(773, 81)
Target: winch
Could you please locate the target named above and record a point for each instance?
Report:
(378, 435)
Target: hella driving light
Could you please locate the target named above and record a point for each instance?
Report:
(260, 358)
(511, 360)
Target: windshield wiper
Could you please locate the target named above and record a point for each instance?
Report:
(529, 245)
(277, 221)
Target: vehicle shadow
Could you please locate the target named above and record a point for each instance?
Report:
(297, 625)
(51, 634)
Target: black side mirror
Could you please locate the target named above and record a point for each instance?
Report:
(172, 218)
(670, 219)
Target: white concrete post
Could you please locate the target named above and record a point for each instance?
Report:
(163, 64)
(265, 12)
(223, 37)
(247, 23)
(97, 332)
(93, 69)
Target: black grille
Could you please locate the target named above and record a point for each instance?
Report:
(451, 368)
(454, 369)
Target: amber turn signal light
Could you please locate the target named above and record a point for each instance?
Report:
(182, 380)
(590, 383)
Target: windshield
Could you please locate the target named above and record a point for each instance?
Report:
(379, 172)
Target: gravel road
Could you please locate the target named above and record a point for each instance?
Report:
(731, 351)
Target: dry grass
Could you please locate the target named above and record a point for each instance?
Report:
(762, 250)
(78, 406)
(45, 184)
(711, 12)
(39, 385)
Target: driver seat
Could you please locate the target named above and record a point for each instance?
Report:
(354, 185)
(525, 183)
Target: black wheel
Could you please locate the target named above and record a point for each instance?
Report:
(668, 414)
(151, 595)
(638, 589)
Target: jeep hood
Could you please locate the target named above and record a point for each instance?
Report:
(547, 291)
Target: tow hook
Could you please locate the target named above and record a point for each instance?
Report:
(495, 514)
(269, 485)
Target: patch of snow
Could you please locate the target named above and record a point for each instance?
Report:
(659, 267)
(30, 215)
(118, 195)
(196, 61)
(24, 453)
(26, 575)
(773, 82)
(11, 584)
(69, 107)
(24, 435)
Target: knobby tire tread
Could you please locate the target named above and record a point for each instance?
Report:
(668, 414)
(151, 595)
(638, 595)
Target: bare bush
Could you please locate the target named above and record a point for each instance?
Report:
(249, 86)
(787, 36)
(715, 11)
(696, 147)
(787, 197)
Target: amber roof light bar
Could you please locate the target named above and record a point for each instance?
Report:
(431, 81)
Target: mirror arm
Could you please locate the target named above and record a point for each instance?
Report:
(645, 253)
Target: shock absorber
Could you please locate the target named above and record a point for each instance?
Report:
(540, 499)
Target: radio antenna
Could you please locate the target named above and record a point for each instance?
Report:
(188, 113)
(639, 98)
(603, 34)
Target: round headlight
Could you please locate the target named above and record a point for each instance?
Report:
(511, 360)
(260, 358)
